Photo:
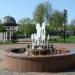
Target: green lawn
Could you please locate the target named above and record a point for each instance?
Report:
(58, 39)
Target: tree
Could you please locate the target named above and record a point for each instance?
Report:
(41, 13)
(68, 27)
(25, 21)
(2, 29)
(23, 25)
(57, 19)
(48, 11)
(73, 22)
(26, 27)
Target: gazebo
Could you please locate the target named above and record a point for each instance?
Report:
(10, 25)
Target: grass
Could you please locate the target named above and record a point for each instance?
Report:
(8, 42)
(58, 39)
(53, 39)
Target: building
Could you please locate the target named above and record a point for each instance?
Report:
(11, 26)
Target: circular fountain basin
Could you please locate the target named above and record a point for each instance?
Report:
(39, 63)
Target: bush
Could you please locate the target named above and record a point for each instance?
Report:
(28, 46)
(13, 41)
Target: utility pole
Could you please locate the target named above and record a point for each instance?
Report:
(65, 21)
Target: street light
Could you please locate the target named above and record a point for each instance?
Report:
(65, 21)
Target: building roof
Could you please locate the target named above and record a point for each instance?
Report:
(8, 20)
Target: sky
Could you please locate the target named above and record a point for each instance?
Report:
(25, 8)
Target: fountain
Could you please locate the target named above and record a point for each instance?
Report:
(38, 39)
(40, 56)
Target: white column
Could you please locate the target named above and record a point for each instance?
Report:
(6, 36)
(11, 32)
(2, 36)
(10, 35)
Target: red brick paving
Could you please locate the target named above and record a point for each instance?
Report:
(58, 45)
(7, 46)
(62, 45)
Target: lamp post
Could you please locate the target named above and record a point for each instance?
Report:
(65, 20)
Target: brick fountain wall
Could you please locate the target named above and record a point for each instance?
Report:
(21, 63)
